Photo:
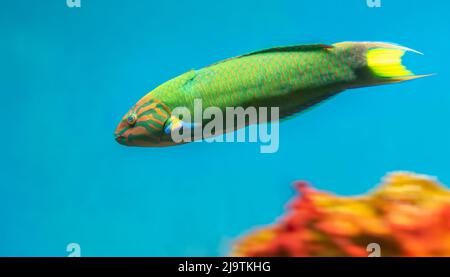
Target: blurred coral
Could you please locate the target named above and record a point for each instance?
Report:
(407, 215)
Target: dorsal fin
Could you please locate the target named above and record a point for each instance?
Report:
(292, 48)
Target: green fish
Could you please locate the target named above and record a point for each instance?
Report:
(291, 78)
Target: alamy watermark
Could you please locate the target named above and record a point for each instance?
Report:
(374, 249)
(373, 3)
(74, 249)
(221, 125)
(73, 3)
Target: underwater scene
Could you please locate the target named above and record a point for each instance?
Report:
(224, 128)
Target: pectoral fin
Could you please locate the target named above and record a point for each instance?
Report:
(175, 124)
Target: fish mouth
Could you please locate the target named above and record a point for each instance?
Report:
(120, 139)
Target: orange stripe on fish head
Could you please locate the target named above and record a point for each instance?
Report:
(143, 124)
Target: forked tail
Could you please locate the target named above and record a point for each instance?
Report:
(377, 63)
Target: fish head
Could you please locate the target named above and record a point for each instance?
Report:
(143, 124)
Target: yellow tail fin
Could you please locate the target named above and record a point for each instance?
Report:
(378, 63)
(387, 63)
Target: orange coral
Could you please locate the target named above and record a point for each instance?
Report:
(408, 215)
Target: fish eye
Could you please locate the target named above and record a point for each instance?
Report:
(131, 119)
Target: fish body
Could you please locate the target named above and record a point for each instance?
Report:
(291, 78)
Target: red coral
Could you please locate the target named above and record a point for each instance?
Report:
(408, 215)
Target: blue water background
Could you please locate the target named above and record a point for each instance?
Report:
(67, 76)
